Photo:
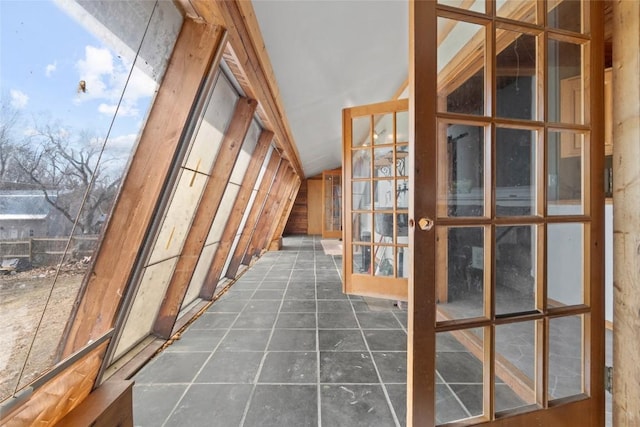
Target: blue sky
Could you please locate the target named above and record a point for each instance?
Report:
(44, 54)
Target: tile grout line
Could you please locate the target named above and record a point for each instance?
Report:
(315, 290)
(266, 349)
(375, 366)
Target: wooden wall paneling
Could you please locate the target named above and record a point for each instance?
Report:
(143, 184)
(250, 224)
(59, 396)
(314, 206)
(242, 199)
(266, 216)
(286, 212)
(297, 221)
(205, 214)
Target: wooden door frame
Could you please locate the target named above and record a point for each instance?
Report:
(585, 409)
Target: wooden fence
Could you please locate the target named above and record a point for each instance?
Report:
(46, 250)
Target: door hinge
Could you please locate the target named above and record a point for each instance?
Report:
(608, 378)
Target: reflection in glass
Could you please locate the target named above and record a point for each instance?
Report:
(516, 81)
(461, 52)
(361, 163)
(464, 171)
(402, 193)
(383, 132)
(565, 180)
(361, 259)
(565, 264)
(403, 262)
(361, 131)
(402, 127)
(383, 162)
(515, 269)
(361, 227)
(402, 160)
(565, 90)
(515, 357)
(520, 10)
(462, 296)
(384, 192)
(459, 375)
(384, 260)
(515, 172)
(565, 356)
(565, 15)
(360, 195)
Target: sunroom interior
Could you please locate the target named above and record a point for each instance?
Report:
(317, 213)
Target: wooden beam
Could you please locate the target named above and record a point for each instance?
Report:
(108, 405)
(252, 218)
(150, 167)
(60, 395)
(235, 217)
(204, 216)
(266, 216)
(285, 211)
(626, 219)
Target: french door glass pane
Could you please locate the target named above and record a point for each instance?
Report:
(566, 364)
(462, 163)
(516, 78)
(361, 131)
(515, 267)
(461, 57)
(565, 15)
(565, 264)
(361, 163)
(383, 133)
(516, 153)
(519, 10)
(515, 363)
(459, 374)
(402, 127)
(565, 88)
(462, 295)
(565, 154)
(476, 6)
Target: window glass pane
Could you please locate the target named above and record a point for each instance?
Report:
(461, 56)
(565, 264)
(515, 172)
(565, 192)
(403, 262)
(361, 227)
(384, 193)
(565, 15)
(461, 295)
(402, 160)
(516, 80)
(361, 195)
(519, 10)
(383, 162)
(515, 358)
(70, 137)
(565, 89)
(459, 375)
(461, 192)
(384, 260)
(515, 266)
(566, 346)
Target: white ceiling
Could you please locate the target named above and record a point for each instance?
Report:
(328, 55)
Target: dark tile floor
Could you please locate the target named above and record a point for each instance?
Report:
(285, 347)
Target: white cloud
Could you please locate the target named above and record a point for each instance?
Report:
(19, 99)
(50, 68)
(122, 142)
(126, 109)
(105, 77)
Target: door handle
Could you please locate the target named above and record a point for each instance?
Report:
(425, 224)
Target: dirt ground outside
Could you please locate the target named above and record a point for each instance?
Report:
(23, 297)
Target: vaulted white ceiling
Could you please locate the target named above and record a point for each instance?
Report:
(328, 55)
